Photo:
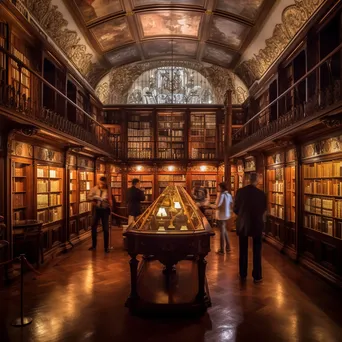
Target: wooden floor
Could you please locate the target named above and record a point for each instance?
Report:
(81, 298)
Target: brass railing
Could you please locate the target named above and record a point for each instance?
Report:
(293, 108)
(66, 116)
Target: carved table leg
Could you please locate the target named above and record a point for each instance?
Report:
(201, 264)
(133, 263)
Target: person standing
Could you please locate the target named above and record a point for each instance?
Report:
(223, 206)
(134, 197)
(200, 196)
(250, 206)
(101, 197)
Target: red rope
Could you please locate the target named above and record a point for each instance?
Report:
(31, 267)
(9, 261)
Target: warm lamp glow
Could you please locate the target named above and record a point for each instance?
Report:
(177, 205)
(161, 212)
(203, 168)
(171, 168)
(139, 167)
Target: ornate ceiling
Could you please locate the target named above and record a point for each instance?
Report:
(102, 35)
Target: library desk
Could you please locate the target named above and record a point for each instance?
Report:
(171, 230)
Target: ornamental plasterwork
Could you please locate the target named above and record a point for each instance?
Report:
(114, 87)
(294, 17)
(56, 27)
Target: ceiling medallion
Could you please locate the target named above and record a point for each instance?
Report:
(54, 24)
(294, 17)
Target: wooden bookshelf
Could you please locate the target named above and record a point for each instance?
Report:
(290, 189)
(22, 78)
(100, 171)
(86, 183)
(140, 136)
(146, 184)
(73, 203)
(202, 139)
(20, 191)
(49, 193)
(323, 197)
(116, 184)
(275, 189)
(165, 180)
(170, 136)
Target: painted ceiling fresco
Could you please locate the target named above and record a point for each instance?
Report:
(134, 30)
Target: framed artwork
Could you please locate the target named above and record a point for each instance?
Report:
(162, 47)
(228, 32)
(112, 33)
(248, 9)
(166, 23)
(95, 9)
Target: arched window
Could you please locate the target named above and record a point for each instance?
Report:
(171, 85)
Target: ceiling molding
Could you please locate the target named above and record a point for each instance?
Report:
(114, 87)
(56, 27)
(294, 18)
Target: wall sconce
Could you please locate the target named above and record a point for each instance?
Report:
(139, 168)
(171, 168)
(203, 167)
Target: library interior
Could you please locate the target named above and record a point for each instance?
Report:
(156, 128)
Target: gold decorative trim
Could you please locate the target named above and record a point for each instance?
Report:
(56, 27)
(294, 17)
(115, 90)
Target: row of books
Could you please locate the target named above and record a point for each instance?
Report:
(19, 172)
(173, 125)
(174, 145)
(139, 125)
(85, 207)
(139, 154)
(319, 202)
(139, 139)
(171, 154)
(277, 186)
(277, 198)
(85, 185)
(277, 211)
(174, 178)
(332, 169)
(116, 191)
(338, 209)
(139, 145)
(86, 176)
(116, 184)
(139, 132)
(171, 133)
(318, 223)
(199, 154)
(326, 187)
(51, 215)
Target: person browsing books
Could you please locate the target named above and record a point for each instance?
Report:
(102, 202)
(134, 197)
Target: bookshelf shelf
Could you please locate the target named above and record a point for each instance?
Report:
(116, 184)
(202, 139)
(146, 184)
(165, 180)
(49, 193)
(20, 191)
(323, 197)
(86, 183)
(208, 181)
(275, 182)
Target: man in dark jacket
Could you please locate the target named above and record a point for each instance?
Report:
(134, 197)
(250, 206)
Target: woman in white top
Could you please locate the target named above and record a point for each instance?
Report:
(223, 206)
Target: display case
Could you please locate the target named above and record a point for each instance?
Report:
(172, 229)
(49, 193)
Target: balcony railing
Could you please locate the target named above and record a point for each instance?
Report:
(25, 91)
(293, 108)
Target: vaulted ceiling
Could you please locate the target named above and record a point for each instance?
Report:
(125, 31)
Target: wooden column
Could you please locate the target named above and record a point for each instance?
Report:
(298, 194)
(228, 137)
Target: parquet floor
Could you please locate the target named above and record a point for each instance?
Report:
(81, 297)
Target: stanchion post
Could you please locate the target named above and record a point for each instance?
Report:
(22, 321)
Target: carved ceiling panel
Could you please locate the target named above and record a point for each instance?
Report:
(112, 33)
(96, 9)
(218, 55)
(248, 9)
(170, 23)
(143, 3)
(175, 47)
(127, 54)
(228, 32)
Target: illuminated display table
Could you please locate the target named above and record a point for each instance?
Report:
(171, 230)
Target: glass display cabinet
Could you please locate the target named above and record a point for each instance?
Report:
(171, 229)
